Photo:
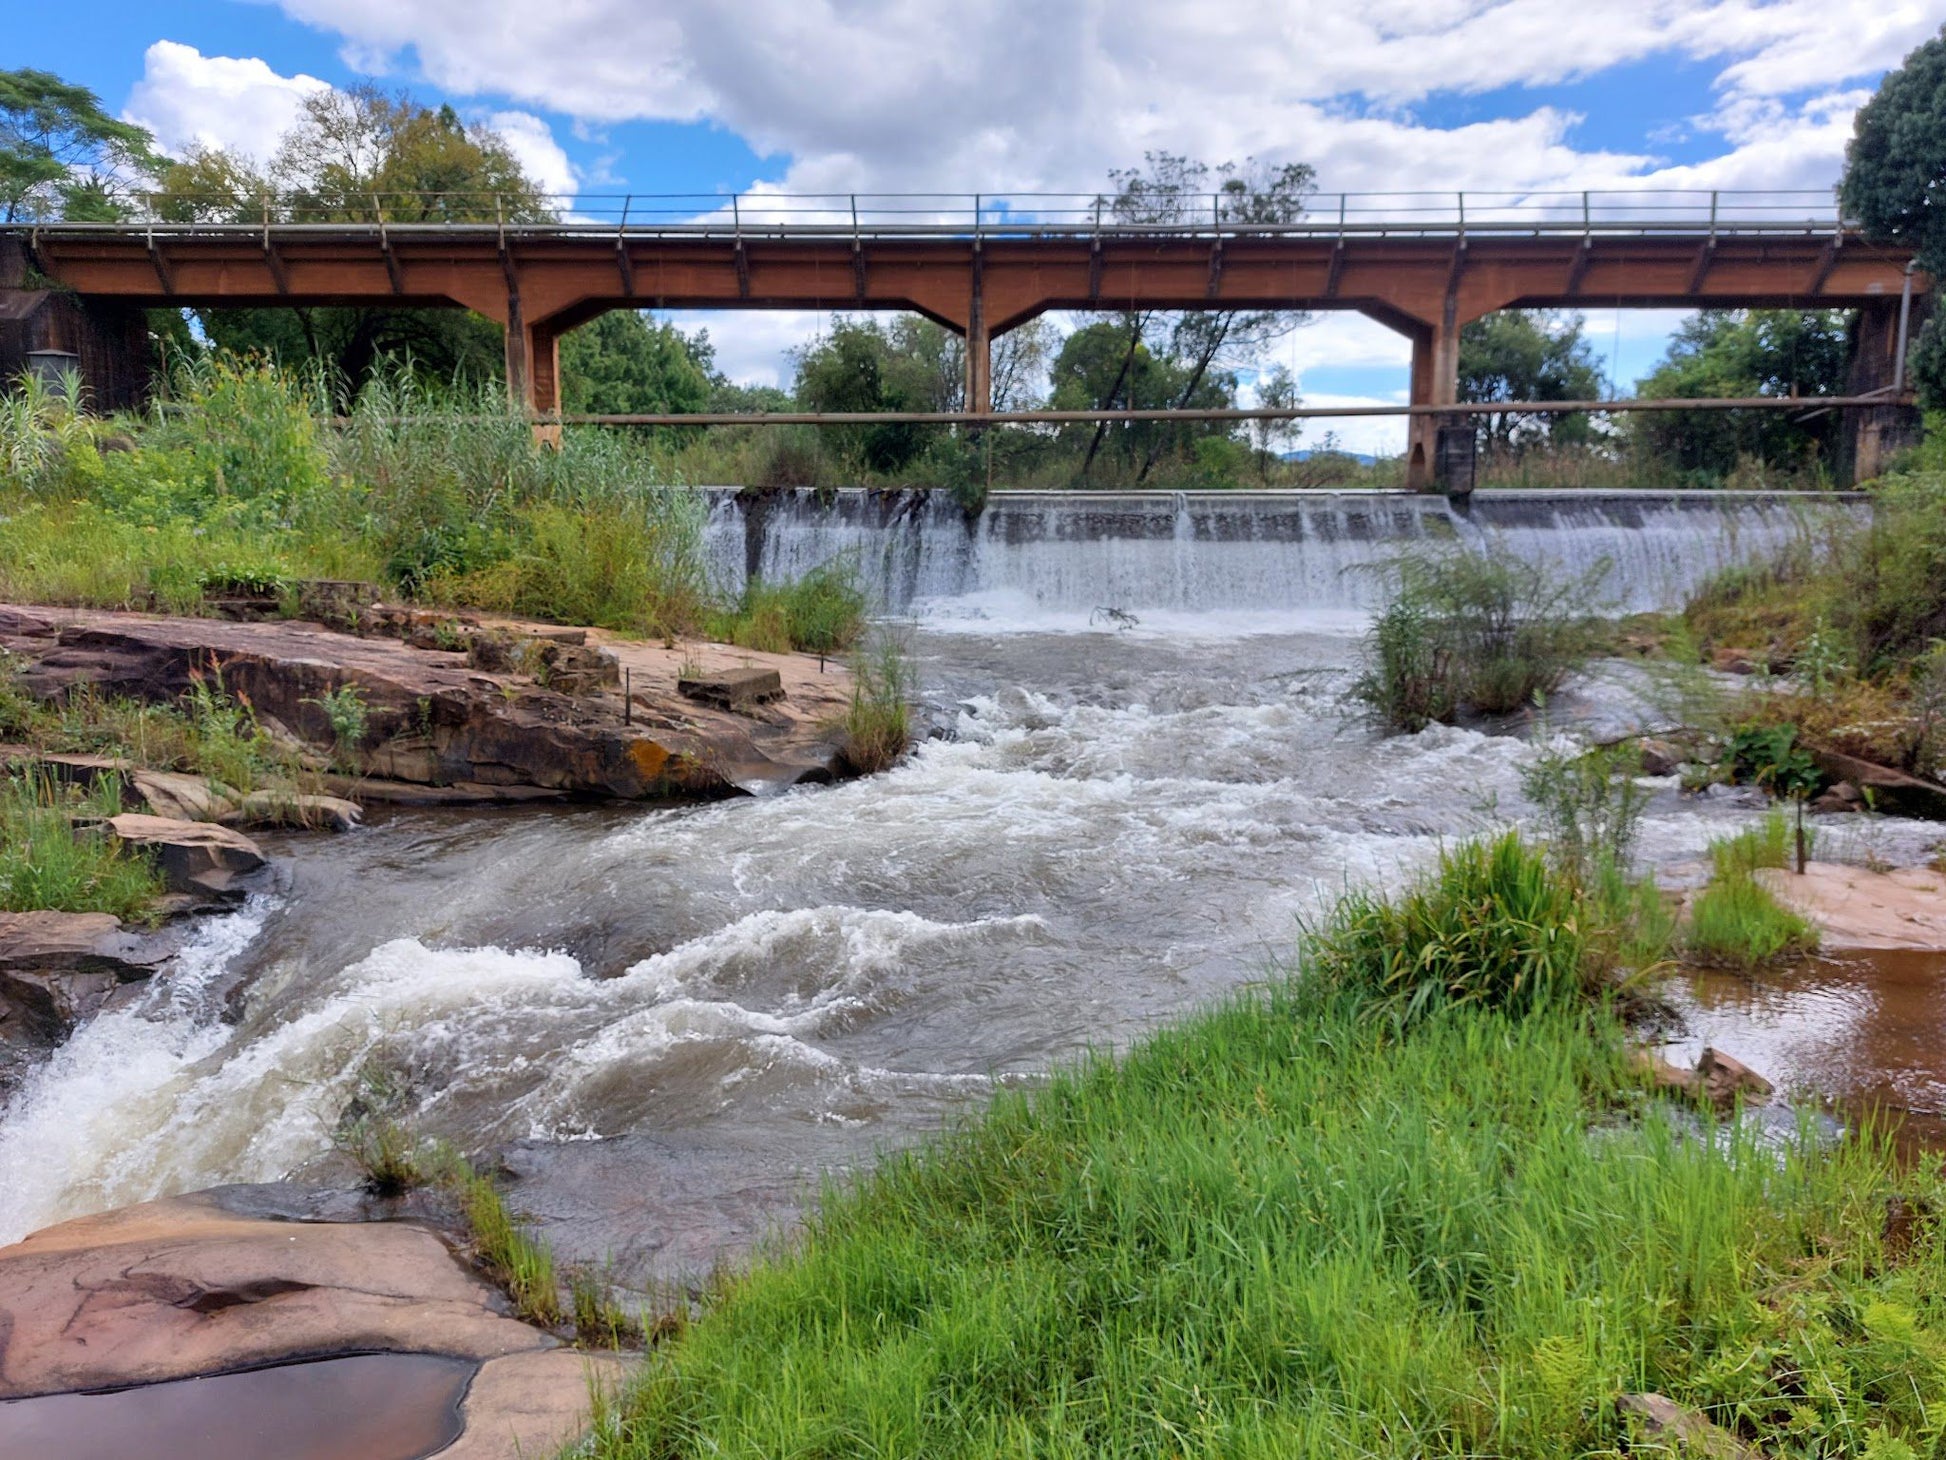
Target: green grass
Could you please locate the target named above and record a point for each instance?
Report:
(47, 865)
(513, 1257)
(1735, 921)
(1285, 1227)
(878, 717)
(822, 612)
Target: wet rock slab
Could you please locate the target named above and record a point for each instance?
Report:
(174, 1289)
(1857, 908)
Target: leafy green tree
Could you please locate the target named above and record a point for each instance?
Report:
(910, 364)
(1276, 390)
(61, 155)
(358, 156)
(1097, 369)
(625, 363)
(1201, 349)
(1895, 169)
(1729, 354)
(1528, 355)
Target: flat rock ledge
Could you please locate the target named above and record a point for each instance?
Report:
(181, 1287)
(436, 719)
(1856, 908)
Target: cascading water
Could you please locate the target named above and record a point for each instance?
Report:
(669, 1019)
(1066, 553)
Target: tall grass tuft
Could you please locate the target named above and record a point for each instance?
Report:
(878, 720)
(1471, 630)
(1736, 922)
(48, 865)
(822, 612)
(1494, 926)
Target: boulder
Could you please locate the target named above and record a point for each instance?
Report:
(1727, 1079)
(1840, 798)
(1884, 788)
(58, 969)
(193, 856)
(1659, 757)
(1740, 661)
(1718, 1078)
(1683, 1430)
(1666, 1077)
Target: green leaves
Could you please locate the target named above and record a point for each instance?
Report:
(61, 155)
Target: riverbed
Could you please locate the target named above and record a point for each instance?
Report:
(670, 1024)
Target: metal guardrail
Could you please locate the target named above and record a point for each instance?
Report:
(1585, 213)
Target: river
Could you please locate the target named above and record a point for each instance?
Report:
(668, 1023)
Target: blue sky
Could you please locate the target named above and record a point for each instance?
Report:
(708, 96)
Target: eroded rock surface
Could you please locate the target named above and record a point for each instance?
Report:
(434, 719)
(181, 1287)
(58, 969)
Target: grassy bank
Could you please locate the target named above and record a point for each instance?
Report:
(1360, 1211)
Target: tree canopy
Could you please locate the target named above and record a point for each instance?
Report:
(1895, 170)
(625, 363)
(1734, 353)
(354, 156)
(61, 155)
(1528, 355)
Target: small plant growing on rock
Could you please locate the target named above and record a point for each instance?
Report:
(371, 1135)
(1589, 803)
(345, 712)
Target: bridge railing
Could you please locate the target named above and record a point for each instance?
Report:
(1006, 214)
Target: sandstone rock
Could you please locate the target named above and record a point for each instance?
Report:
(531, 1403)
(1885, 788)
(1842, 797)
(179, 797)
(438, 723)
(1663, 1419)
(193, 856)
(174, 1288)
(1727, 1079)
(302, 811)
(1857, 908)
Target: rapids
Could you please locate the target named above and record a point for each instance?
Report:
(670, 1022)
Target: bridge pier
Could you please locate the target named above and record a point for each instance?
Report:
(534, 370)
(1435, 382)
(1873, 437)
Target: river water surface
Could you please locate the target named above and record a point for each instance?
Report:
(668, 1022)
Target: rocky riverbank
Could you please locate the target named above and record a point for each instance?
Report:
(240, 1280)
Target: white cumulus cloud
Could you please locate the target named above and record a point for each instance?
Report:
(239, 104)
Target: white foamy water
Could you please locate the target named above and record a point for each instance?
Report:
(689, 1011)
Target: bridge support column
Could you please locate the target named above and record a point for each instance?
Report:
(1873, 436)
(1435, 382)
(979, 344)
(534, 370)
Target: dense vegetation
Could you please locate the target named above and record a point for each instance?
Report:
(1405, 1200)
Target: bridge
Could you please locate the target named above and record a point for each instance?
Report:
(1422, 264)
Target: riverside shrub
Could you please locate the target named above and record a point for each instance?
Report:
(1472, 631)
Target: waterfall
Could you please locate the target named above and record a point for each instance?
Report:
(1239, 551)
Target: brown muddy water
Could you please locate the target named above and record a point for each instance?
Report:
(365, 1407)
(1861, 1033)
